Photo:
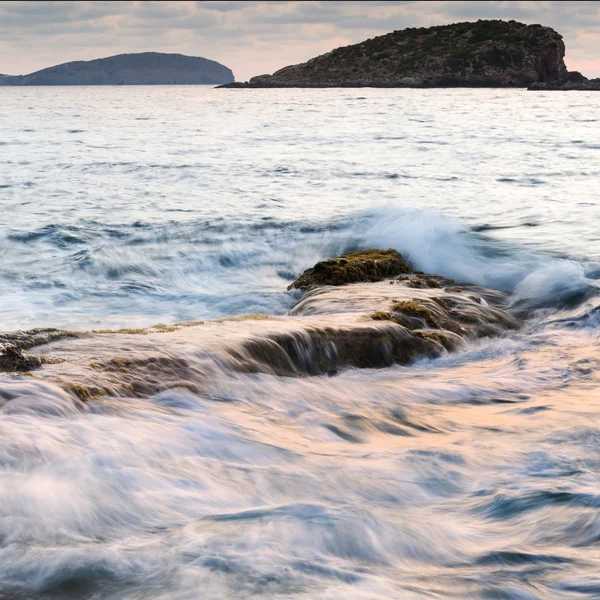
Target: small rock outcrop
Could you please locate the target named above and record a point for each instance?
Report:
(573, 81)
(353, 267)
(486, 53)
(146, 68)
(14, 346)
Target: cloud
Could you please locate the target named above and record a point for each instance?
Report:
(257, 37)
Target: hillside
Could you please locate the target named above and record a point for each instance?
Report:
(147, 68)
(479, 54)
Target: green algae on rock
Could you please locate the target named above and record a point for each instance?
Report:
(381, 315)
(464, 316)
(353, 267)
(85, 393)
(417, 310)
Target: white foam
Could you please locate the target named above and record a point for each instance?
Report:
(438, 244)
(554, 283)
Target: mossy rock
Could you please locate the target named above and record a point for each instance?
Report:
(440, 302)
(13, 359)
(85, 393)
(412, 309)
(324, 351)
(428, 281)
(14, 344)
(353, 267)
(381, 316)
(444, 339)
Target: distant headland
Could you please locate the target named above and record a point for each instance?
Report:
(146, 68)
(486, 53)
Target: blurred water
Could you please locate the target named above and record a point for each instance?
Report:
(129, 206)
(475, 475)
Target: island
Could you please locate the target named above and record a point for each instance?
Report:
(486, 53)
(145, 68)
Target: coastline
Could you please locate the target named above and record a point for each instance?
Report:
(247, 85)
(589, 86)
(375, 312)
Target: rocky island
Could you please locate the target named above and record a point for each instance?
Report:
(486, 53)
(146, 68)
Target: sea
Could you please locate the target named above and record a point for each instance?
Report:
(124, 207)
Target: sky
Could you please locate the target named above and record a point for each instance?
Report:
(253, 38)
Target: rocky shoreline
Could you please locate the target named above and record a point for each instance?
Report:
(583, 85)
(438, 84)
(366, 309)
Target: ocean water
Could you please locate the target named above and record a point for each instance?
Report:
(127, 207)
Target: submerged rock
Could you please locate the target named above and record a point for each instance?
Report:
(34, 337)
(13, 358)
(13, 346)
(349, 316)
(383, 326)
(490, 53)
(353, 267)
(326, 350)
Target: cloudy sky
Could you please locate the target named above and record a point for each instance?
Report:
(257, 37)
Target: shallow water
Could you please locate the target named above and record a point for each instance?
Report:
(474, 475)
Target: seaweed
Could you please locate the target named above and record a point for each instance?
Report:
(353, 267)
(412, 309)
